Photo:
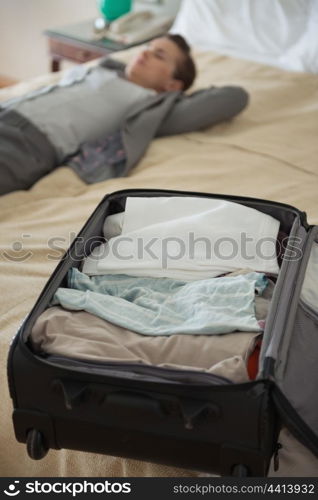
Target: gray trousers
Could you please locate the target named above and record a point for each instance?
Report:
(26, 155)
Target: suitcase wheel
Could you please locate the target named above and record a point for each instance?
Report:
(35, 444)
(240, 470)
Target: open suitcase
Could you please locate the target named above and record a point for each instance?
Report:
(192, 420)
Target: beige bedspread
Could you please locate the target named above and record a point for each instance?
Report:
(270, 151)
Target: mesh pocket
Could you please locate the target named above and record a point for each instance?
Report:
(300, 379)
(309, 292)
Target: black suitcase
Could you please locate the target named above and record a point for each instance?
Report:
(191, 420)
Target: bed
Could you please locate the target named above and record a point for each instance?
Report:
(270, 151)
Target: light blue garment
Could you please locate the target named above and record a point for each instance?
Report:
(164, 306)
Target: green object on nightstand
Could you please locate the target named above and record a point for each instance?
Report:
(112, 9)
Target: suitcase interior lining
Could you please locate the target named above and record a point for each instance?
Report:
(93, 232)
(236, 346)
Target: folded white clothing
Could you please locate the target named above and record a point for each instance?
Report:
(113, 225)
(186, 238)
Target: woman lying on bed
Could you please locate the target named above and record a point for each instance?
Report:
(107, 115)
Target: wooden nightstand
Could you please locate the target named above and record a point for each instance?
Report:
(76, 43)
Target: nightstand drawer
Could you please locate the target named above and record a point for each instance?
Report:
(77, 43)
(75, 52)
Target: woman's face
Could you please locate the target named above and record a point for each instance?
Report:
(154, 67)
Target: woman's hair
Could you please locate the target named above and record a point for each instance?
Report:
(186, 70)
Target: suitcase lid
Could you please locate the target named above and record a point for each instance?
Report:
(290, 356)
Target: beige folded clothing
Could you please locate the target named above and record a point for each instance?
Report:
(81, 335)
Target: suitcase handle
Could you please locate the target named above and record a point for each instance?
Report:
(73, 393)
(190, 410)
(135, 401)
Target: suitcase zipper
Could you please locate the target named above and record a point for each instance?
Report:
(134, 370)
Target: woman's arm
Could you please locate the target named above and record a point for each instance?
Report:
(204, 108)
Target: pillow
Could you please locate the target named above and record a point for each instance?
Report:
(280, 33)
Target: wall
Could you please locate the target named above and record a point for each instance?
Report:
(23, 47)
